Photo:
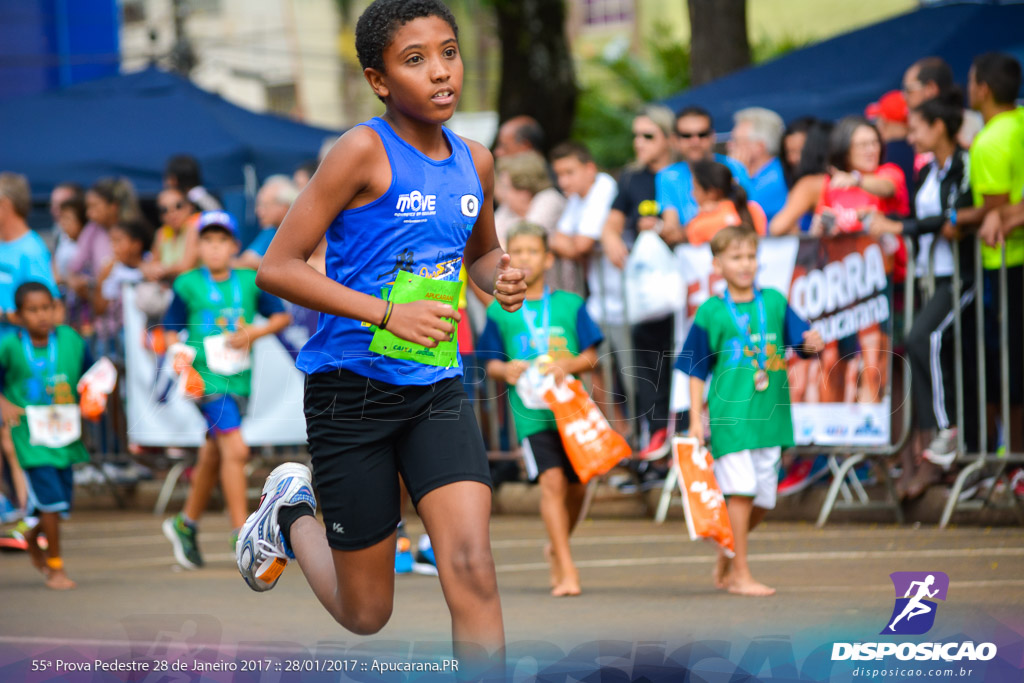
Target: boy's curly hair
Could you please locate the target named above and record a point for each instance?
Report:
(377, 25)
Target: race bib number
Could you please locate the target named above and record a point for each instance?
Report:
(223, 359)
(54, 426)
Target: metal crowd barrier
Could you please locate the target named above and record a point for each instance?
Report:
(988, 456)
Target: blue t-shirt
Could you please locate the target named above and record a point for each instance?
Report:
(674, 186)
(25, 259)
(768, 188)
(261, 242)
(420, 225)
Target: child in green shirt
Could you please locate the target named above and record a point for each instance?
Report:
(217, 304)
(739, 341)
(550, 335)
(40, 366)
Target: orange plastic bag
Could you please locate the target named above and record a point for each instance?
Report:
(590, 442)
(706, 513)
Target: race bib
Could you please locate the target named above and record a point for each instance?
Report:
(54, 426)
(223, 359)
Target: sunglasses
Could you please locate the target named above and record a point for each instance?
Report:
(645, 136)
(174, 207)
(686, 136)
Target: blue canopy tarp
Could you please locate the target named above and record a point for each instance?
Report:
(130, 125)
(843, 75)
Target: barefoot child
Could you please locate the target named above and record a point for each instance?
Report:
(40, 366)
(216, 304)
(399, 194)
(552, 331)
(739, 340)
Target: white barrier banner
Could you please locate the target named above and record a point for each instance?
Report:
(841, 286)
(274, 416)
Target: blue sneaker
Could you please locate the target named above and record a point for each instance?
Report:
(425, 562)
(403, 554)
(261, 553)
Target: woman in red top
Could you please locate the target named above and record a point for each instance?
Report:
(858, 185)
(722, 203)
(859, 182)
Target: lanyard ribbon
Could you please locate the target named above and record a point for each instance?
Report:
(217, 299)
(541, 337)
(744, 326)
(43, 369)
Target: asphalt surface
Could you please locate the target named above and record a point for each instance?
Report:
(642, 583)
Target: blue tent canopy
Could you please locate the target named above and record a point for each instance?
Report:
(843, 75)
(130, 125)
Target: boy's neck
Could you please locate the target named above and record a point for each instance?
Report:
(428, 138)
(220, 273)
(536, 290)
(740, 294)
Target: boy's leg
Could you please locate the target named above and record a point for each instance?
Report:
(741, 478)
(234, 453)
(554, 510)
(457, 518)
(204, 477)
(56, 577)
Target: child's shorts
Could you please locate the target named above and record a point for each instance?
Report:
(543, 451)
(49, 489)
(753, 473)
(223, 412)
(363, 434)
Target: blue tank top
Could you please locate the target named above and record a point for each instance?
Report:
(420, 225)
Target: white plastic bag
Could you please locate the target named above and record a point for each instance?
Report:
(654, 282)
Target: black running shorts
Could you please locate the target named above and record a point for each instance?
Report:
(364, 433)
(543, 451)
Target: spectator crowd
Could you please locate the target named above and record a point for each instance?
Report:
(934, 166)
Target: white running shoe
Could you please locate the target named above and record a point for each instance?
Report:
(261, 553)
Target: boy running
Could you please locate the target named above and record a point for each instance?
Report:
(216, 304)
(396, 195)
(739, 340)
(40, 366)
(552, 334)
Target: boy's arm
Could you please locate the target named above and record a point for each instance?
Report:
(355, 172)
(486, 263)
(697, 409)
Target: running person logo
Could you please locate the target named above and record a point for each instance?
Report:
(916, 593)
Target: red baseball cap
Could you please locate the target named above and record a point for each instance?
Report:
(891, 106)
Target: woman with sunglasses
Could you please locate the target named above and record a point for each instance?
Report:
(176, 247)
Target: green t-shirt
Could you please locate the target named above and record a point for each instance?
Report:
(742, 417)
(209, 312)
(24, 385)
(507, 337)
(997, 167)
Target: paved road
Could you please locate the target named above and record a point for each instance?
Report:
(642, 584)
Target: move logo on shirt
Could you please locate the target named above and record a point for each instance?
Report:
(416, 203)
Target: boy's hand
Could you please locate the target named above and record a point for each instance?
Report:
(509, 285)
(813, 343)
(427, 323)
(514, 370)
(697, 431)
(10, 413)
(557, 369)
(240, 339)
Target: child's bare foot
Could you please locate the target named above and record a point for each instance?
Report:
(721, 570)
(568, 586)
(556, 570)
(59, 581)
(748, 586)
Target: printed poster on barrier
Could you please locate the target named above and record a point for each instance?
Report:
(843, 287)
